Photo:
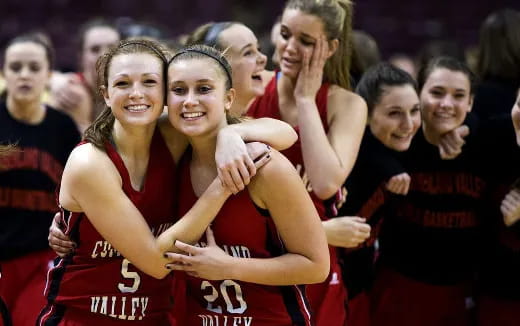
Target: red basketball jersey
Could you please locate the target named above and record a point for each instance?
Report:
(243, 230)
(327, 298)
(96, 285)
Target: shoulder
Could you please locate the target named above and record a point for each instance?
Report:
(273, 178)
(89, 170)
(87, 157)
(346, 106)
(346, 98)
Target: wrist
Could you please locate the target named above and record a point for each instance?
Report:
(233, 270)
(305, 100)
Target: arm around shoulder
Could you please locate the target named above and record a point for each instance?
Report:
(278, 188)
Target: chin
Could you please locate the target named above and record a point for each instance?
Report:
(399, 147)
(289, 72)
(258, 91)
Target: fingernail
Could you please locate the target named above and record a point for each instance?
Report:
(168, 267)
(165, 255)
(268, 156)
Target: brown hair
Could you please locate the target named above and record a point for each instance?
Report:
(100, 131)
(200, 51)
(37, 38)
(336, 16)
(499, 45)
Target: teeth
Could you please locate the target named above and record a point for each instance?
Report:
(192, 114)
(137, 108)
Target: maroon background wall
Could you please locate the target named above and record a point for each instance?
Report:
(397, 25)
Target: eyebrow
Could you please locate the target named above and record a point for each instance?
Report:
(198, 81)
(146, 73)
(302, 33)
(246, 46)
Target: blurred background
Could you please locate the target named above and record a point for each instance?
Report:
(398, 26)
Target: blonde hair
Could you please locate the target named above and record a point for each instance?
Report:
(336, 16)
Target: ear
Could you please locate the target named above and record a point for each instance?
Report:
(333, 47)
(229, 98)
(104, 92)
(470, 103)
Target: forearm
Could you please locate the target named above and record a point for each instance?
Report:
(322, 164)
(192, 225)
(288, 269)
(276, 133)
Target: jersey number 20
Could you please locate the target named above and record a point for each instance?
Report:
(213, 296)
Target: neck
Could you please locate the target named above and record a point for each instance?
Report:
(28, 112)
(133, 141)
(430, 135)
(241, 105)
(286, 87)
(204, 152)
(204, 148)
(90, 80)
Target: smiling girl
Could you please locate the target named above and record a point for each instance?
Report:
(269, 237)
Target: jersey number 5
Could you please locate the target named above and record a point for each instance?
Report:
(213, 296)
(128, 276)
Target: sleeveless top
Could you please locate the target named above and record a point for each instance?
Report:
(96, 282)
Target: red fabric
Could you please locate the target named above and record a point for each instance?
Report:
(327, 298)
(242, 231)
(401, 301)
(358, 310)
(22, 285)
(494, 311)
(97, 285)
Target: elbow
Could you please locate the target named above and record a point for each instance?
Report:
(325, 191)
(319, 269)
(320, 272)
(293, 137)
(159, 274)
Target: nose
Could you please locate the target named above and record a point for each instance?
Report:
(262, 59)
(136, 93)
(25, 71)
(191, 100)
(290, 45)
(447, 102)
(407, 123)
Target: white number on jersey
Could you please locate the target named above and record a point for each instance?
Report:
(213, 296)
(130, 276)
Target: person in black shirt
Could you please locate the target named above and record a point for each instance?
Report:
(430, 238)
(29, 174)
(393, 120)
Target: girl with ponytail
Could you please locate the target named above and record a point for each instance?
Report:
(312, 93)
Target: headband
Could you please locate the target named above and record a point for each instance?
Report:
(214, 31)
(218, 59)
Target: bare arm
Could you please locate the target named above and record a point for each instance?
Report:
(279, 189)
(276, 133)
(329, 158)
(92, 184)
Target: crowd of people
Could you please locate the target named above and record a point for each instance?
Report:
(182, 183)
